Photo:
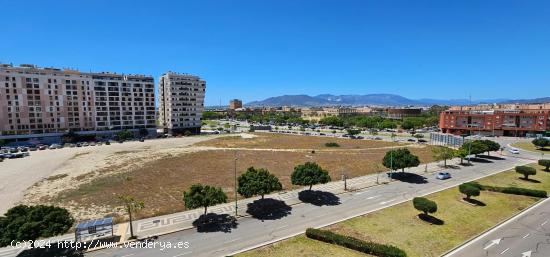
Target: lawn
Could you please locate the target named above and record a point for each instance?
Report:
(511, 178)
(400, 226)
(160, 183)
(531, 147)
(285, 141)
(302, 246)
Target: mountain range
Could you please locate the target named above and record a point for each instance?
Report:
(374, 99)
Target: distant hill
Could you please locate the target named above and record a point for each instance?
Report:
(374, 99)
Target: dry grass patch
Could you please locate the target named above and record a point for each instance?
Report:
(160, 183)
(284, 141)
(531, 147)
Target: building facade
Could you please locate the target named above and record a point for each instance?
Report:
(235, 104)
(48, 101)
(181, 102)
(497, 120)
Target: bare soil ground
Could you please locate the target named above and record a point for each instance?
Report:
(160, 179)
(287, 141)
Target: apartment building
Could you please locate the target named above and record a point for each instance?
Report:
(498, 120)
(38, 102)
(181, 102)
(235, 104)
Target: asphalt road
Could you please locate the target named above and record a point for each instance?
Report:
(252, 232)
(527, 235)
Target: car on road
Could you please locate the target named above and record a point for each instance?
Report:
(443, 175)
(55, 146)
(411, 140)
(513, 150)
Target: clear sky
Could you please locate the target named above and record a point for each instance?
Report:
(257, 49)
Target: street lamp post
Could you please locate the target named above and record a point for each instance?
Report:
(235, 170)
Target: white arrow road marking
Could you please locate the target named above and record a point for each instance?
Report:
(493, 242)
(526, 254)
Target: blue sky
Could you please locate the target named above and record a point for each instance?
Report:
(257, 49)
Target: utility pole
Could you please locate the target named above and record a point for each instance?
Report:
(235, 170)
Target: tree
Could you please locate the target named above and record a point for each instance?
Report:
(309, 174)
(23, 223)
(545, 163)
(469, 190)
(526, 171)
(124, 135)
(461, 153)
(443, 153)
(400, 159)
(474, 147)
(490, 145)
(131, 206)
(203, 196)
(257, 182)
(541, 142)
(424, 205)
(2, 142)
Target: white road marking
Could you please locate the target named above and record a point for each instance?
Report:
(505, 250)
(388, 201)
(233, 240)
(493, 242)
(372, 197)
(127, 255)
(544, 223)
(526, 254)
(182, 254)
(526, 235)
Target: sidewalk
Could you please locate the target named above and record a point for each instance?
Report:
(170, 223)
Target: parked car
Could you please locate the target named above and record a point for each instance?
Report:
(142, 139)
(411, 140)
(513, 150)
(107, 143)
(92, 143)
(33, 148)
(55, 146)
(85, 144)
(42, 147)
(443, 175)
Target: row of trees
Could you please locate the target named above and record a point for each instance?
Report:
(476, 147)
(254, 182)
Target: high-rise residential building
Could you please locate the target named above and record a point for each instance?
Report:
(235, 104)
(181, 102)
(40, 102)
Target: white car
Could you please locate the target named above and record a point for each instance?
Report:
(513, 150)
(443, 175)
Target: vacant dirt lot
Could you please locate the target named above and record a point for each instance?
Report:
(160, 183)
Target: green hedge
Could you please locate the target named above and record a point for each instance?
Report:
(355, 244)
(516, 191)
(332, 144)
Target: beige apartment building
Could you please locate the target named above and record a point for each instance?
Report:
(181, 102)
(38, 102)
(235, 104)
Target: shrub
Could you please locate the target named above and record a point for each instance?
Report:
(545, 163)
(424, 205)
(469, 190)
(332, 144)
(526, 171)
(524, 191)
(355, 244)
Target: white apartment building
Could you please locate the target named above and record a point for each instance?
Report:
(38, 102)
(181, 102)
